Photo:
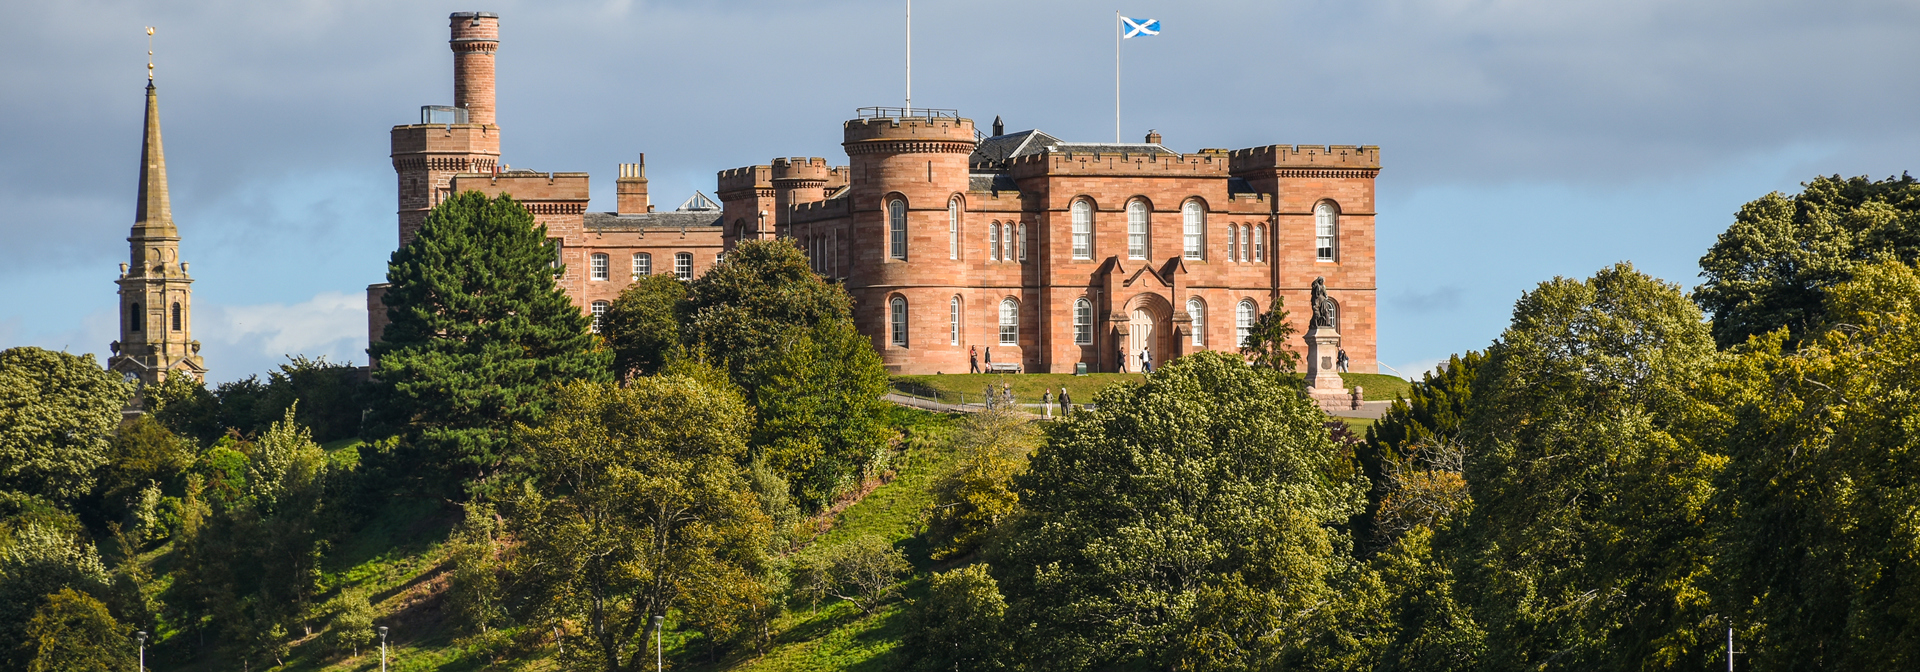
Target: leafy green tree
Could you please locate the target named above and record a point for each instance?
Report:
(863, 571)
(72, 632)
(474, 584)
(1771, 268)
(57, 416)
(328, 395)
(1819, 499)
(959, 624)
(1269, 341)
(184, 406)
(144, 462)
(249, 552)
(478, 332)
(1424, 424)
(43, 554)
(349, 623)
(636, 505)
(1189, 522)
(822, 421)
(1587, 544)
(642, 327)
(746, 310)
(972, 500)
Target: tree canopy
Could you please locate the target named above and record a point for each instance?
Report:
(642, 326)
(57, 416)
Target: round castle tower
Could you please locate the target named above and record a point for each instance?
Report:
(476, 35)
(913, 166)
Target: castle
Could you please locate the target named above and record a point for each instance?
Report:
(1049, 255)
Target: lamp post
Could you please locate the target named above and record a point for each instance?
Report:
(383, 648)
(659, 657)
(142, 636)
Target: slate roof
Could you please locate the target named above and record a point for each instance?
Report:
(1134, 148)
(992, 182)
(994, 152)
(652, 220)
(1239, 185)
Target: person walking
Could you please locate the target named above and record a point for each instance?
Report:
(1146, 361)
(1066, 402)
(973, 359)
(1123, 359)
(989, 359)
(1046, 402)
(1343, 360)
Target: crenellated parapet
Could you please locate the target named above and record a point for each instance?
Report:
(820, 210)
(1330, 161)
(746, 182)
(801, 169)
(909, 135)
(1119, 165)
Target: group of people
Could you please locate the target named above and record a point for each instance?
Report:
(1146, 360)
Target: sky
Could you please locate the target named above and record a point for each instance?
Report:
(1520, 139)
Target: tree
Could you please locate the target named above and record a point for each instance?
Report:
(822, 421)
(249, 553)
(959, 624)
(474, 584)
(349, 622)
(1772, 266)
(72, 632)
(1817, 503)
(143, 456)
(970, 501)
(641, 326)
(635, 505)
(1187, 522)
(478, 332)
(1268, 344)
(1403, 443)
(863, 571)
(42, 554)
(57, 416)
(1587, 543)
(746, 310)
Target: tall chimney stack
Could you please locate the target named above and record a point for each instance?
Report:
(476, 35)
(631, 188)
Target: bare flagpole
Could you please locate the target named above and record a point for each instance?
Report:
(1116, 76)
(909, 58)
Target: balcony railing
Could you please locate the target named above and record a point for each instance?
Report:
(442, 114)
(906, 113)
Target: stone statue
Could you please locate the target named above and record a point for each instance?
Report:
(1322, 306)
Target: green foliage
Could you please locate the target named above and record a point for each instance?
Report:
(637, 505)
(1269, 341)
(1428, 419)
(478, 333)
(1817, 553)
(473, 589)
(145, 461)
(641, 326)
(57, 415)
(349, 623)
(822, 421)
(184, 406)
(972, 500)
(1587, 542)
(249, 552)
(1188, 522)
(864, 571)
(72, 632)
(745, 311)
(1772, 267)
(959, 624)
(36, 559)
(329, 397)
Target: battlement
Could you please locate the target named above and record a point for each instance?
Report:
(528, 186)
(1364, 157)
(819, 210)
(749, 177)
(801, 168)
(1120, 164)
(945, 130)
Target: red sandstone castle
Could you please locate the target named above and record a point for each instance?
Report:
(1050, 254)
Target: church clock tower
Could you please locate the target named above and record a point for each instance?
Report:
(156, 296)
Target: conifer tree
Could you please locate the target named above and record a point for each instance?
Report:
(478, 332)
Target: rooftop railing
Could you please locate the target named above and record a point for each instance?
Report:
(928, 113)
(442, 114)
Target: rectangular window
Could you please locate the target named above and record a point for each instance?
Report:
(642, 265)
(683, 267)
(1009, 322)
(1136, 230)
(1023, 242)
(1193, 227)
(597, 265)
(1082, 230)
(559, 264)
(897, 224)
(953, 321)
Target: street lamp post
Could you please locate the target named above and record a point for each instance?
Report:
(142, 636)
(383, 648)
(659, 657)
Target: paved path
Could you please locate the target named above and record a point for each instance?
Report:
(1367, 409)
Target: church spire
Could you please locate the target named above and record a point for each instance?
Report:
(156, 294)
(153, 215)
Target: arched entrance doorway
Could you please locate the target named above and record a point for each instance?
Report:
(1140, 335)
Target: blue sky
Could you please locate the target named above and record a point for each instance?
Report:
(1521, 139)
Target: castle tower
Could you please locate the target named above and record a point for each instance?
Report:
(462, 138)
(156, 296)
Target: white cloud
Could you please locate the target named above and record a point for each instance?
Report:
(331, 324)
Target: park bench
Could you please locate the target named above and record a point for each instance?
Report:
(1003, 367)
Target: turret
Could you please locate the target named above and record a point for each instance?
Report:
(462, 138)
(476, 35)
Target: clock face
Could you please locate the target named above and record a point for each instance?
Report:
(128, 376)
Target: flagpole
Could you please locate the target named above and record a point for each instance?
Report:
(1116, 76)
(909, 58)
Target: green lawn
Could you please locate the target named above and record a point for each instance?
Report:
(1027, 387)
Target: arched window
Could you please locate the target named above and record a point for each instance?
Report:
(897, 223)
(176, 316)
(133, 317)
(599, 309)
(1082, 230)
(1023, 242)
(597, 265)
(1243, 321)
(1083, 322)
(1136, 229)
(953, 321)
(1260, 243)
(1193, 227)
(1326, 230)
(1233, 242)
(1335, 305)
(1198, 311)
(953, 228)
(1009, 322)
(1246, 243)
(993, 241)
(899, 308)
(642, 265)
(683, 266)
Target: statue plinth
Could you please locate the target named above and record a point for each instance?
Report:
(1323, 373)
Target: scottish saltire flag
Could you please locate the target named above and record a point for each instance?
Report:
(1139, 27)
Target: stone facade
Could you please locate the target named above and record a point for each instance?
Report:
(156, 294)
(1174, 244)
